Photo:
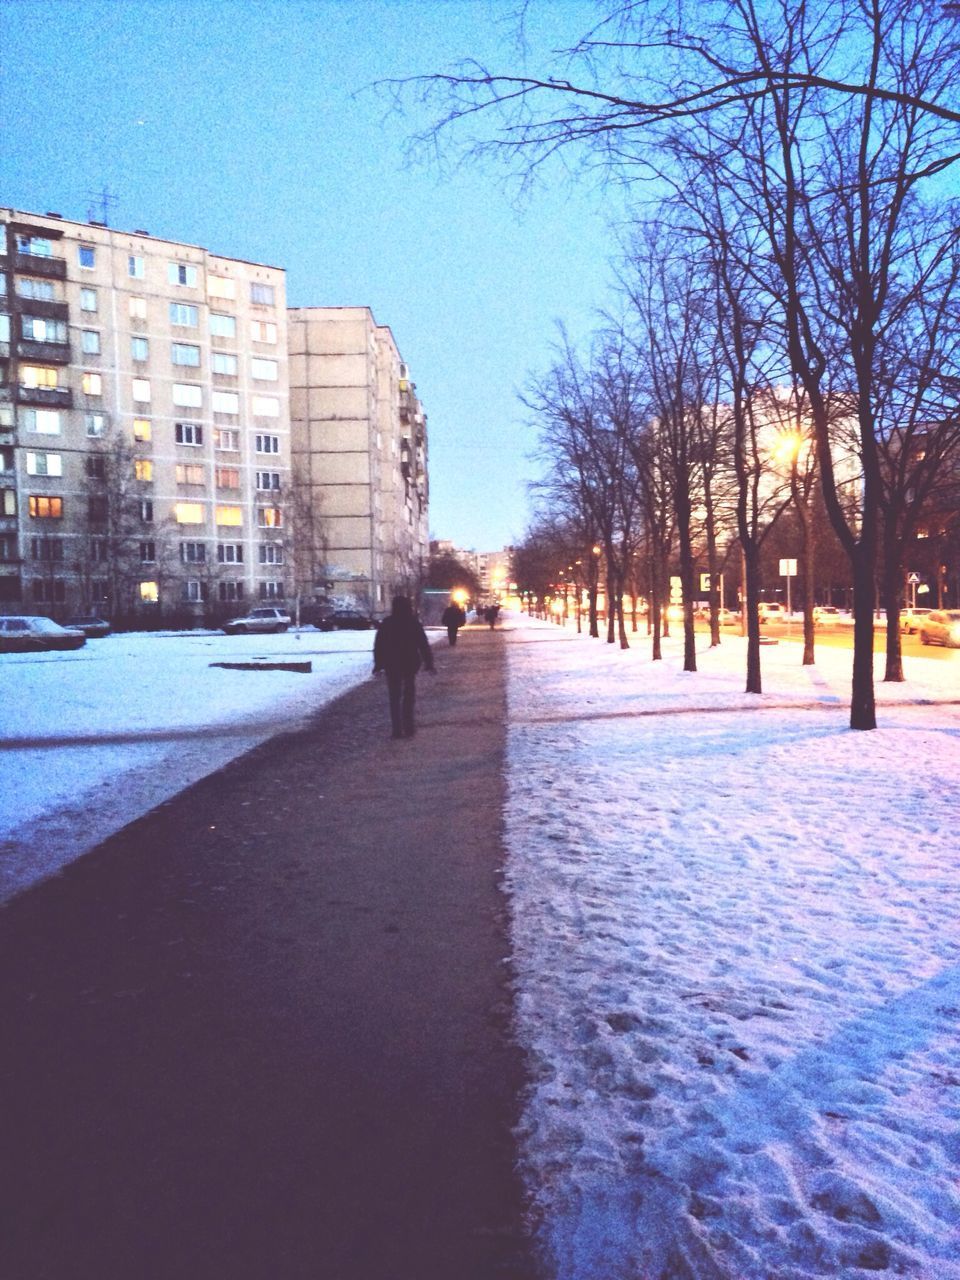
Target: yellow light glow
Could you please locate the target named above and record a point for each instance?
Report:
(557, 606)
(459, 596)
(786, 447)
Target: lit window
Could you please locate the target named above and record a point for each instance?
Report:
(230, 516)
(141, 390)
(44, 464)
(263, 331)
(149, 592)
(191, 473)
(182, 273)
(184, 353)
(226, 402)
(44, 507)
(45, 422)
(34, 375)
(188, 512)
(182, 315)
(143, 469)
(138, 308)
(187, 394)
(268, 479)
(142, 429)
(268, 444)
(136, 266)
(139, 349)
(266, 407)
(264, 370)
(269, 517)
(88, 299)
(92, 384)
(228, 478)
(221, 287)
(87, 256)
(193, 552)
(188, 433)
(222, 326)
(223, 362)
(262, 293)
(95, 423)
(90, 341)
(8, 502)
(226, 439)
(230, 552)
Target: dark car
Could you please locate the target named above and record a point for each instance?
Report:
(91, 626)
(25, 633)
(346, 620)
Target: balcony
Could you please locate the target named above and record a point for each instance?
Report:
(44, 352)
(48, 397)
(41, 307)
(35, 264)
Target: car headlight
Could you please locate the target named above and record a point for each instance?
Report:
(955, 632)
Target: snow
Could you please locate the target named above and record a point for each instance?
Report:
(92, 739)
(737, 960)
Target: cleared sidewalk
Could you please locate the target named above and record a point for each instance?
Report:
(265, 1031)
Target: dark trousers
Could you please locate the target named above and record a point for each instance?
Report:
(452, 634)
(402, 688)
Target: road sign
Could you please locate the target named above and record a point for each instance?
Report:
(913, 579)
(676, 590)
(704, 582)
(788, 568)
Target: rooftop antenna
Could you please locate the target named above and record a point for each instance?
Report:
(102, 202)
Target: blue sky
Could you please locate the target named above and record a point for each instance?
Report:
(244, 127)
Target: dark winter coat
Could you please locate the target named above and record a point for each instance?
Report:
(453, 616)
(401, 645)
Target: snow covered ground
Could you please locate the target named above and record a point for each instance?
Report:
(737, 936)
(91, 740)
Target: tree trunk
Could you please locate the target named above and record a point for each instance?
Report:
(892, 587)
(863, 712)
(751, 566)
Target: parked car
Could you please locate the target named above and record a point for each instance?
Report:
(768, 609)
(825, 613)
(258, 621)
(27, 634)
(728, 618)
(346, 620)
(941, 626)
(91, 626)
(910, 620)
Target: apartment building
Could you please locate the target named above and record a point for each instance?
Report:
(359, 447)
(145, 457)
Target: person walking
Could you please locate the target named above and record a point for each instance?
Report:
(400, 649)
(453, 618)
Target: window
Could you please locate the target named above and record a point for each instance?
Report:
(6, 458)
(230, 552)
(230, 516)
(182, 273)
(271, 590)
(221, 287)
(136, 266)
(193, 552)
(223, 362)
(87, 256)
(97, 509)
(35, 246)
(263, 331)
(228, 478)
(45, 422)
(186, 393)
(35, 375)
(99, 550)
(95, 423)
(148, 552)
(143, 470)
(182, 315)
(193, 591)
(41, 290)
(269, 517)
(142, 429)
(8, 548)
(88, 299)
(39, 329)
(95, 466)
(46, 548)
(188, 512)
(262, 293)
(230, 590)
(222, 326)
(49, 591)
(264, 370)
(42, 506)
(149, 592)
(44, 464)
(191, 473)
(92, 384)
(266, 407)
(188, 433)
(141, 390)
(90, 341)
(139, 349)
(4, 318)
(271, 553)
(184, 353)
(138, 308)
(226, 439)
(226, 402)
(146, 510)
(268, 444)
(8, 502)
(268, 479)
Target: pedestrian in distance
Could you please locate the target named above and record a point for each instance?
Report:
(400, 649)
(453, 618)
(491, 613)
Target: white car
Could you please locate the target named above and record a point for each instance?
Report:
(26, 633)
(941, 626)
(768, 609)
(258, 621)
(910, 620)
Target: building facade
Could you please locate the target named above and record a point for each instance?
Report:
(144, 424)
(359, 447)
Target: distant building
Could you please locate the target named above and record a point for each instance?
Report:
(492, 569)
(360, 456)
